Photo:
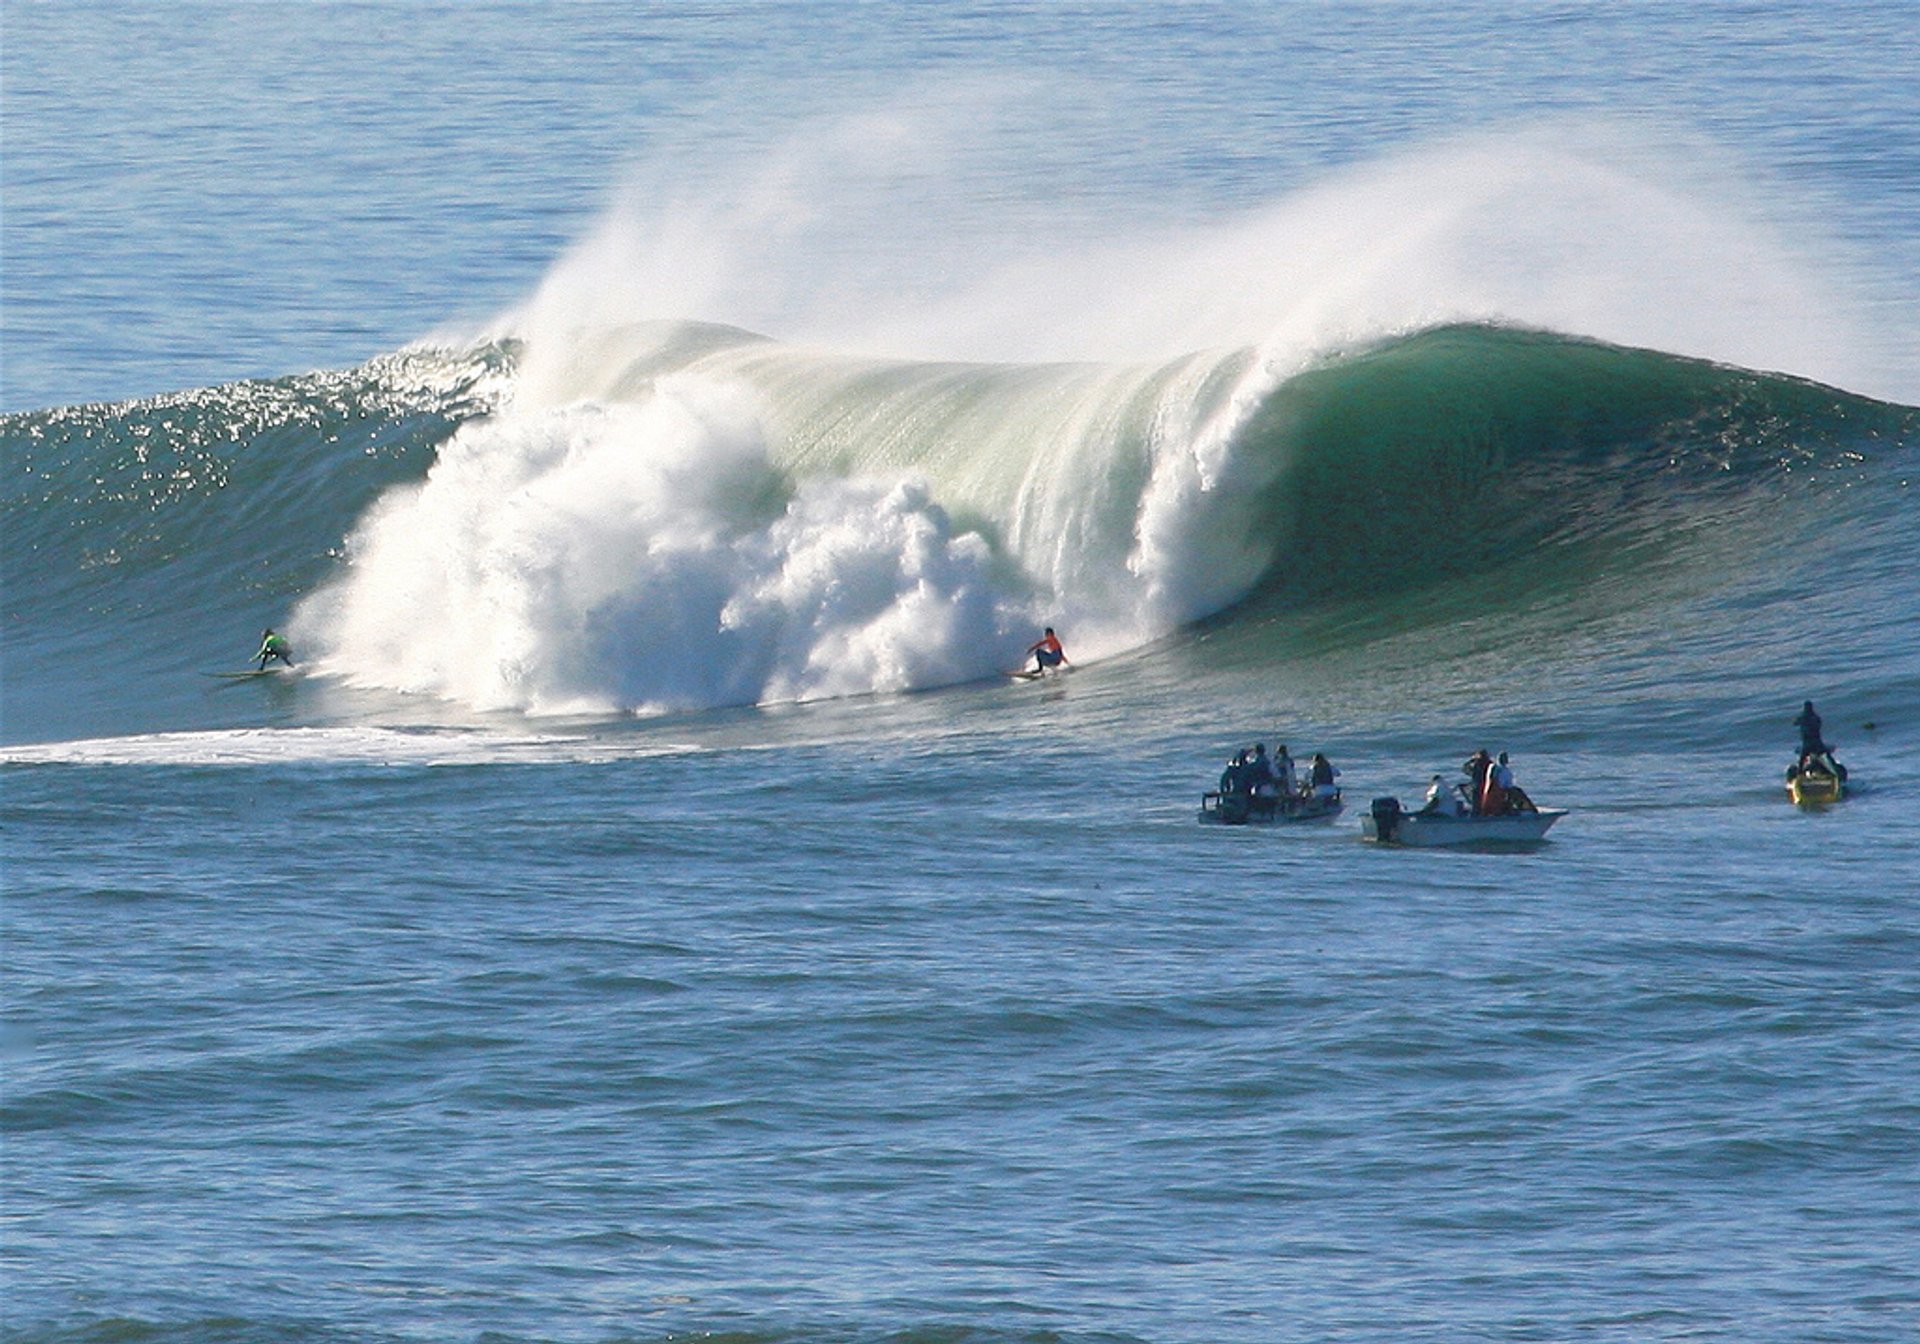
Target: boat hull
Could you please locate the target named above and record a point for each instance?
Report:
(1815, 790)
(1239, 810)
(1427, 829)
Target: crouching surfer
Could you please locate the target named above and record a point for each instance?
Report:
(274, 646)
(1046, 653)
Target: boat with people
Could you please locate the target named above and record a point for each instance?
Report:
(1256, 789)
(1252, 809)
(1490, 808)
(1388, 823)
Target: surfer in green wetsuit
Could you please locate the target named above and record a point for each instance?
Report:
(273, 646)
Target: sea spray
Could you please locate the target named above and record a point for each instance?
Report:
(650, 557)
(879, 232)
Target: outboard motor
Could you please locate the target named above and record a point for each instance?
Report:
(1386, 818)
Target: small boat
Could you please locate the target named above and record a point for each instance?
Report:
(1252, 809)
(1815, 786)
(1387, 822)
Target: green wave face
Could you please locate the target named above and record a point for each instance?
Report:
(747, 496)
(1464, 448)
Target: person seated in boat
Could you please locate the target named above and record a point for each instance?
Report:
(1443, 799)
(1512, 798)
(1320, 778)
(1476, 768)
(1046, 652)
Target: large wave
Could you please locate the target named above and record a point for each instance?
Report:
(1151, 422)
(732, 520)
(1363, 389)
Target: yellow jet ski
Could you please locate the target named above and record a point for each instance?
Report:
(1816, 782)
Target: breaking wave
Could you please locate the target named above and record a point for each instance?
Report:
(646, 516)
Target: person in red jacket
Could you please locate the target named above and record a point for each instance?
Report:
(1046, 652)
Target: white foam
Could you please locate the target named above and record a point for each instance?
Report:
(648, 557)
(360, 746)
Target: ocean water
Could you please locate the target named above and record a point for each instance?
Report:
(647, 912)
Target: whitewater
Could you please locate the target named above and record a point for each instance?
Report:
(648, 911)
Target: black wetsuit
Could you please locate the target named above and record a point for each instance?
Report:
(1811, 743)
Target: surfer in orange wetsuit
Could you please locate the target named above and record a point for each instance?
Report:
(1046, 652)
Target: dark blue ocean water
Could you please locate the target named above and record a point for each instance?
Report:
(577, 1001)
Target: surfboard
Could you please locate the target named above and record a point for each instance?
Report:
(253, 672)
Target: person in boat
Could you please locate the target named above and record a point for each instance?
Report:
(1443, 799)
(1493, 791)
(1512, 798)
(1046, 652)
(1286, 780)
(1476, 768)
(1260, 772)
(1233, 779)
(1321, 777)
(273, 646)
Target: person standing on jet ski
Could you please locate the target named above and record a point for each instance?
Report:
(1811, 743)
(1815, 754)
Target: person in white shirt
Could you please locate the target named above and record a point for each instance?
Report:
(1443, 799)
(1283, 776)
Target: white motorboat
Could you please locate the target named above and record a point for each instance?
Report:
(1387, 822)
